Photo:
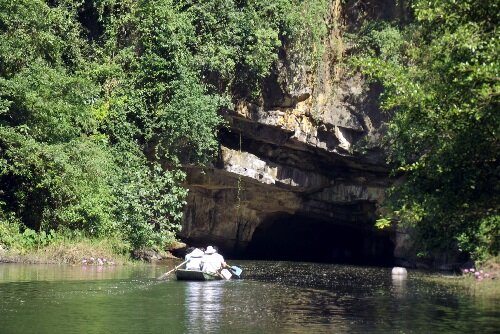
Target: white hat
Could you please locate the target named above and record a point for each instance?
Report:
(197, 253)
(210, 250)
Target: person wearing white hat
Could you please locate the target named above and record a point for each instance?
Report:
(194, 259)
(212, 261)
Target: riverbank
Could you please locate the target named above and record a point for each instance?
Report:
(489, 288)
(91, 251)
(72, 247)
(88, 252)
(97, 251)
(482, 282)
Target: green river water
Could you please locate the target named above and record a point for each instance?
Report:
(272, 297)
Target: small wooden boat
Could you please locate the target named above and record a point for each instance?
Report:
(198, 275)
(195, 275)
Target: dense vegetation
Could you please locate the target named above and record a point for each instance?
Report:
(441, 82)
(101, 101)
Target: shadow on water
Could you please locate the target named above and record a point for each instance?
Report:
(272, 297)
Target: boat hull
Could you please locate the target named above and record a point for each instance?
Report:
(195, 275)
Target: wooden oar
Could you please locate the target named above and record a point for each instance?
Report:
(169, 272)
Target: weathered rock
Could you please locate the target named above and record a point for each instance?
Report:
(310, 149)
(176, 246)
(147, 255)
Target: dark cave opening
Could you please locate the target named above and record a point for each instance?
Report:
(300, 238)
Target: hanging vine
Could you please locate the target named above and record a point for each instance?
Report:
(239, 188)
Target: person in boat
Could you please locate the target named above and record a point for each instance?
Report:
(212, 261)
(194, 259)
(190, 250)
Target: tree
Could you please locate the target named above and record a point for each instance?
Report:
(440, 78)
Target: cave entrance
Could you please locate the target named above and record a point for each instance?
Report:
(301, 238)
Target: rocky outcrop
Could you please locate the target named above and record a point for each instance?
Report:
(309, 148)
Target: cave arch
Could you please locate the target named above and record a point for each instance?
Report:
(302, 238)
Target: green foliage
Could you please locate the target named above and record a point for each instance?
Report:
(13, 237)
(48, 104)
(101, 101)
(482, 241)
(65, 184)
(9, 229)
(73, 139)
(306, 28)
(236, 42)
(31, 30)
(380, 40)
(151, 204)
(383, 223)
(440, 76)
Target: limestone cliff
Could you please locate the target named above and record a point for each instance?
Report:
(303, 165)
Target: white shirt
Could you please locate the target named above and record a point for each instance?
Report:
(194, 263)
(194, 260)
(211, 263)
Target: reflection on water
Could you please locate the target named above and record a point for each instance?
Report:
(204, 306)
(272, 297)
(399, 285)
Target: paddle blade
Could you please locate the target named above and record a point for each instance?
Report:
(226, 274)
(236, 271)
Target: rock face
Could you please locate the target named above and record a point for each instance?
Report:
(307, 159)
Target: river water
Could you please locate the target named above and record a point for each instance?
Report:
(272, 297)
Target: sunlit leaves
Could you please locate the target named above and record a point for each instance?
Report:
(440, 76)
